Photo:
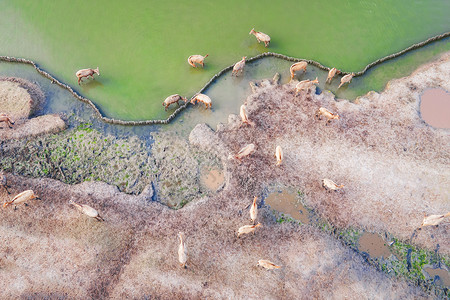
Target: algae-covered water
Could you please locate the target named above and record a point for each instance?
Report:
(141, 47)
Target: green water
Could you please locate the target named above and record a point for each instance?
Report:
(141, 47)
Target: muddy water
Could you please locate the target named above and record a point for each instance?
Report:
(212, 178)
(435, 108)
(373, 244)
(444, 275)
(288, 203)
(141, 47)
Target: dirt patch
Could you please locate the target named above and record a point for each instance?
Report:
(212, 178)
(288, 203)
(374, 244)
(435, 108)
(393, 165)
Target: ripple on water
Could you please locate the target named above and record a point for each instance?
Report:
(435, 108)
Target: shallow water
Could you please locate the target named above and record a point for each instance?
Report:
(435, 108)
(444, 275)
(141, 47)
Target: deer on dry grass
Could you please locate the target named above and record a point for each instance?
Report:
(261, 37)
(6, 119)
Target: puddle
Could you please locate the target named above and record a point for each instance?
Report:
(444, 276)
(374, 244)
(212, 178)
(288, 203)
(435, 108)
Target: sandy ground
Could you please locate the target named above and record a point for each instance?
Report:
(393, 165)
(21, 100)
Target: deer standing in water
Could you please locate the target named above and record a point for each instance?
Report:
(87, 72)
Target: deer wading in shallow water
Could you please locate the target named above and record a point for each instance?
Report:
(301, 65)
(173, 99)
(86, 72)
(327, 114)
(261, 37)
(346, 79)
(331, 74)
(202, 98)
(239, 67)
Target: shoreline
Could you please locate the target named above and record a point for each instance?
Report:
(215, 77)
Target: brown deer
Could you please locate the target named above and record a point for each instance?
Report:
(239, 66)
(331, 74)
(173, 99)
(86, 72)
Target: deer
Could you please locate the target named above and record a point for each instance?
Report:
(346, 79)
(301, 65)
(182, 253)
(261, 37)
(202, 98)
(193, 59)
(86, 73)
(7, 119)
(327, 114)
(239, 67)
(305, 85)
(331, 74)
(173, 99)
(244, 117)
(329, 184)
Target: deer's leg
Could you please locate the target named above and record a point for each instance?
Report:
(79, 80)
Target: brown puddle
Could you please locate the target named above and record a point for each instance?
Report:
(288, 203)
(373, 244)
(212, 178)
(443, 275)
(435, 108)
